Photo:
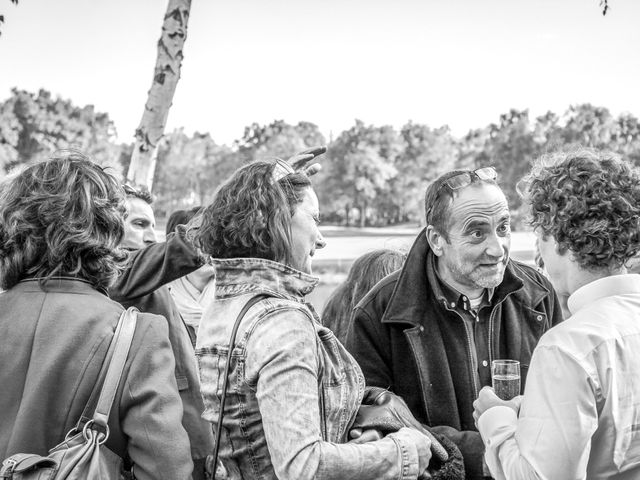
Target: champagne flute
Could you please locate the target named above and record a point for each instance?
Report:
(505, 376)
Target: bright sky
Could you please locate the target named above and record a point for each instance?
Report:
(455, 62)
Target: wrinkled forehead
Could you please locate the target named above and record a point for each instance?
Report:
(481, 201)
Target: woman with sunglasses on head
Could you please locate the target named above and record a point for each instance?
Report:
(293, 390)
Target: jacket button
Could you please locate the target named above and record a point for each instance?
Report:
(485, 363)
(421, 328)
(539, 318)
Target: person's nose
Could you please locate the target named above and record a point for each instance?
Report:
(150, 236)
(495, 246)
(320, 241)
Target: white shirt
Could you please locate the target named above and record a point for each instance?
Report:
(580, 416)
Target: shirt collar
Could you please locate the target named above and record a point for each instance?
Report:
(603, 287)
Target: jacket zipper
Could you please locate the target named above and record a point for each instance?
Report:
(491, 317)
(469, 357)
(491, 323)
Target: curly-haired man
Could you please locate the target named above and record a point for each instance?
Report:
(580, 414)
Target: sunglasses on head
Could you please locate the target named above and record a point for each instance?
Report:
(464, 179)
(129, 190)
(281, 169)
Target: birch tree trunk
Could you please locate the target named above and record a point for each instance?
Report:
(165, 80)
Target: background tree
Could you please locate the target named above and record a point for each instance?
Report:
(426, 154)
(511, 149)
(588, 126)
(625, 137)
(34, 126)
(189, 169)
(358, 167)
(165, 79)
(277, 139)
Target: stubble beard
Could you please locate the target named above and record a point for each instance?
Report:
(476, 277)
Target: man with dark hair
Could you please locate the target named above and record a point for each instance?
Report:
(430, 331)
(144, 285)
(580, 412)
(140, 222)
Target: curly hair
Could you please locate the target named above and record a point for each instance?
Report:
(61, 217)
(366, 271)
(250, 215)
(589, 202)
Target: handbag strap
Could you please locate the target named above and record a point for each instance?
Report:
(232, 341)
(111, 372)
(123, 338)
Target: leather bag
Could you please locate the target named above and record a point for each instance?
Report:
(387, 412)
(83, 455)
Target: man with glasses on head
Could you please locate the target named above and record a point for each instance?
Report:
(430, 331)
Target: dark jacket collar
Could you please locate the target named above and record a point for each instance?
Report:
(414, 288)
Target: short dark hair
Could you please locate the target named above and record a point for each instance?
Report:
(61, 217)
(589, 202)
(438, 198)
(138, 192)
(250, 215)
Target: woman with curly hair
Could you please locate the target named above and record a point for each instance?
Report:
(60, 225)
(580, 413)
(293, 390)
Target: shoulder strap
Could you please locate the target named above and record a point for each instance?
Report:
(113, 366)
(123, 338)
(90, 407)
(232, 341)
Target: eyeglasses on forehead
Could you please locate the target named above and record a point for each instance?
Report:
(128, 189)
(464, 179)
(281, 169)
(461, 180)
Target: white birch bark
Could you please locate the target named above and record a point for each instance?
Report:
(165, 80)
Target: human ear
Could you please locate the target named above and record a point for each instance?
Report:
(435, 240)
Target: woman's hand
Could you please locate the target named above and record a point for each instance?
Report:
(300, 161)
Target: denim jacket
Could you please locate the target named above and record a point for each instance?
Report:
(293, 389)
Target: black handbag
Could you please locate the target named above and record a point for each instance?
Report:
(83, 455)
